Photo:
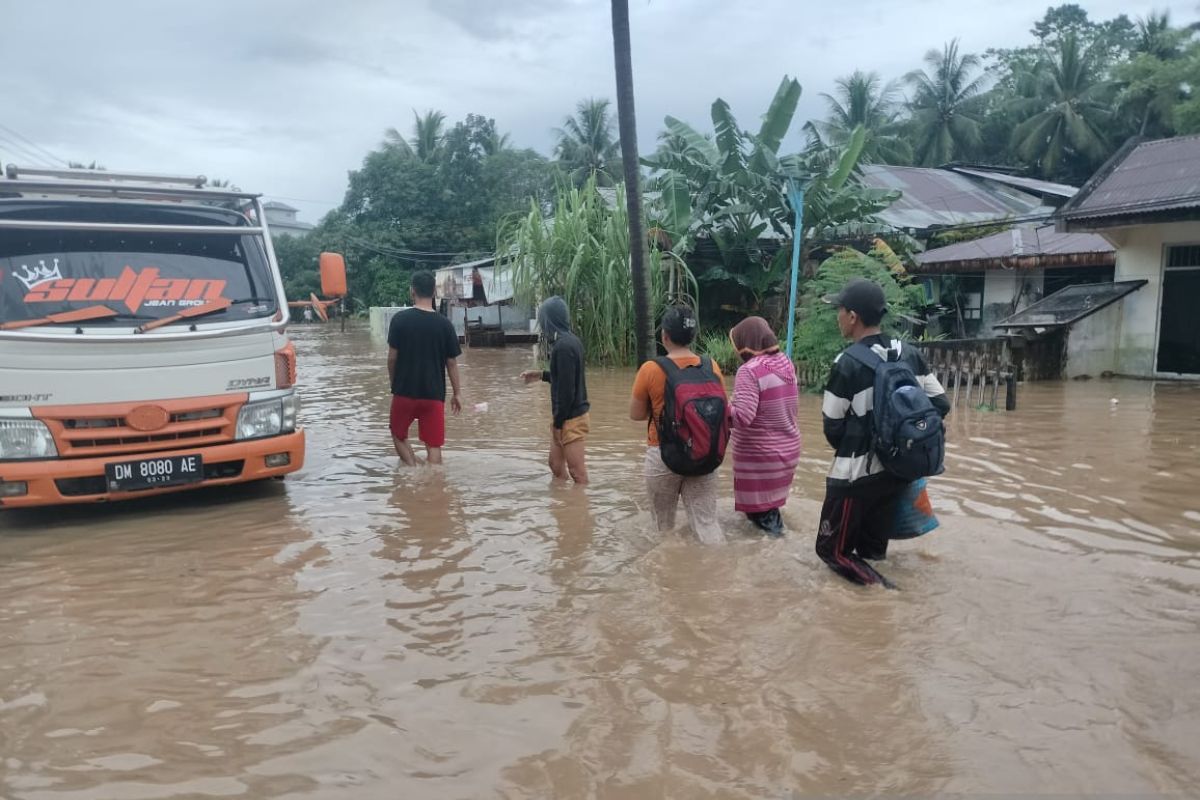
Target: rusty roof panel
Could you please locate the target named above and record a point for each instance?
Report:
(932, 198)
(1161, 175)
(1018, 242)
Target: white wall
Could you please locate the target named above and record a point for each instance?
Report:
(1092, 343)
(1141, 252)
(514, 318)
(381, 319)
(1000, 286)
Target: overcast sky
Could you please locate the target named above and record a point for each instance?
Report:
(285, 96)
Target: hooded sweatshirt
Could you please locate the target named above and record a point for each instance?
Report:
(568, 389)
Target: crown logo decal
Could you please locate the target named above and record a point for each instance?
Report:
(37, 275)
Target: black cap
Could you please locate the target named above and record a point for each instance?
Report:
(861, 296)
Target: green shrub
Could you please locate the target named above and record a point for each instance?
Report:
(817, 338)
(716, 345)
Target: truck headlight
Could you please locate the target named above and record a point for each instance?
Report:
(267, 418)
(25, 438)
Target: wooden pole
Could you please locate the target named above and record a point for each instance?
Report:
(627, 123)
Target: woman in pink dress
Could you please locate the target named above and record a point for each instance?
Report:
(766, 438)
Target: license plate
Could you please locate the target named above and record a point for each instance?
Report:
(151, 473)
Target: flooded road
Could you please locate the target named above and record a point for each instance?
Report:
(364, 632)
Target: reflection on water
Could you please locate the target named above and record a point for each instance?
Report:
(483, 632)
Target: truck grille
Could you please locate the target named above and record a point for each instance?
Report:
(121, 428)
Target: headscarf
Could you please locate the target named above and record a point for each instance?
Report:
(753, 337)
(553, 318)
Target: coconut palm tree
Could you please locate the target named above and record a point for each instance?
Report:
(862, 100)
(586, 144)
(1157, 38)
(426, 141)
(1075, 102)
(944, 101)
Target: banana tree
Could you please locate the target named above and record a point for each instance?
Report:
(726, 189)
(730, 189)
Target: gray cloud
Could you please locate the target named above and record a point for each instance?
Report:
(284, 97)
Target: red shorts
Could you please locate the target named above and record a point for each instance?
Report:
(429, 414)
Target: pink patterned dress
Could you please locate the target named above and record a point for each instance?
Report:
(766, 437)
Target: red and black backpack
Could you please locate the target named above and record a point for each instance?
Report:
(694, 426)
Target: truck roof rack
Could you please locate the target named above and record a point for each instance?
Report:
(102, 183)
(14, 172)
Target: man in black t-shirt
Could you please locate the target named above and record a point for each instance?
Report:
(422, 349)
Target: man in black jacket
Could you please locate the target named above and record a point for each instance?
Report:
(568, 392)
(860, 495)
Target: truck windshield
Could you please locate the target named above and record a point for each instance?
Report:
(138, 275)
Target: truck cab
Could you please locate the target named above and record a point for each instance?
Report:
(143, 344)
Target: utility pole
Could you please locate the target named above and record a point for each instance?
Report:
(627, 124)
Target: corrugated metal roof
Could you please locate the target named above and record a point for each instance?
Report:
(932, 198)
(1162, 175)
(1021, 242)
(1029, 184)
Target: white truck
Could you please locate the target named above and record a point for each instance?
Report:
(142, 339)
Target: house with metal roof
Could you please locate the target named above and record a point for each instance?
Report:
(1146, 203)
(997, 275)
(953, 196)
(282, 219)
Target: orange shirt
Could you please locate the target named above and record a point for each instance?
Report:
(651, 384)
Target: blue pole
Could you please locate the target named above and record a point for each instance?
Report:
(796, 197)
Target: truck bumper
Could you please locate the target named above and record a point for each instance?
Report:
(81, 480)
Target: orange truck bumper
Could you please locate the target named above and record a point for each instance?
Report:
(81, 480)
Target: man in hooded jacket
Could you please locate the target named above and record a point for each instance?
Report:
(568, 391)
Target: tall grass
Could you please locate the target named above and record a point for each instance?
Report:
(716, 345)
(582, 254)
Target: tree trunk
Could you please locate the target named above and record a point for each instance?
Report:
(643, 325)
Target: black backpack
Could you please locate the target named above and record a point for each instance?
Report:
(908, 437)
(694, 427)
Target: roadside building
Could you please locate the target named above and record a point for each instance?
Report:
(281, 218)
(1146, 202)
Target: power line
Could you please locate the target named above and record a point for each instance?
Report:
(34, 144)
(22, 152)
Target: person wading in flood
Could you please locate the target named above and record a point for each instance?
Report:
(766, 438)
(651, 402)
(422, 348)
(568, 392)
(860, 492)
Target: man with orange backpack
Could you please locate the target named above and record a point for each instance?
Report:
(682, 398)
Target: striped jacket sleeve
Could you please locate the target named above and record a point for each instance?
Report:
(836, 404)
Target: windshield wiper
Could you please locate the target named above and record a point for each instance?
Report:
(214, 307)
(65, 317)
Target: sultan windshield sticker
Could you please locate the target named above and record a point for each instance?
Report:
(135, 290)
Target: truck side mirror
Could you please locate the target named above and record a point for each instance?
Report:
(333, 275)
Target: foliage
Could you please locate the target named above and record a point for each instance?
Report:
(1074, 103)
(945, 106)
(403, 212)
(956, 235)
(716, 345)
(426, 140)
(1158, 85)
(730, 189)
(863, 100)
(817, 338)
(582, 254)
(586, 145)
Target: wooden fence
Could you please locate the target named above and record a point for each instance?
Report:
(971, 370)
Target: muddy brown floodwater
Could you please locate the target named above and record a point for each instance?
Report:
(362, 632)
